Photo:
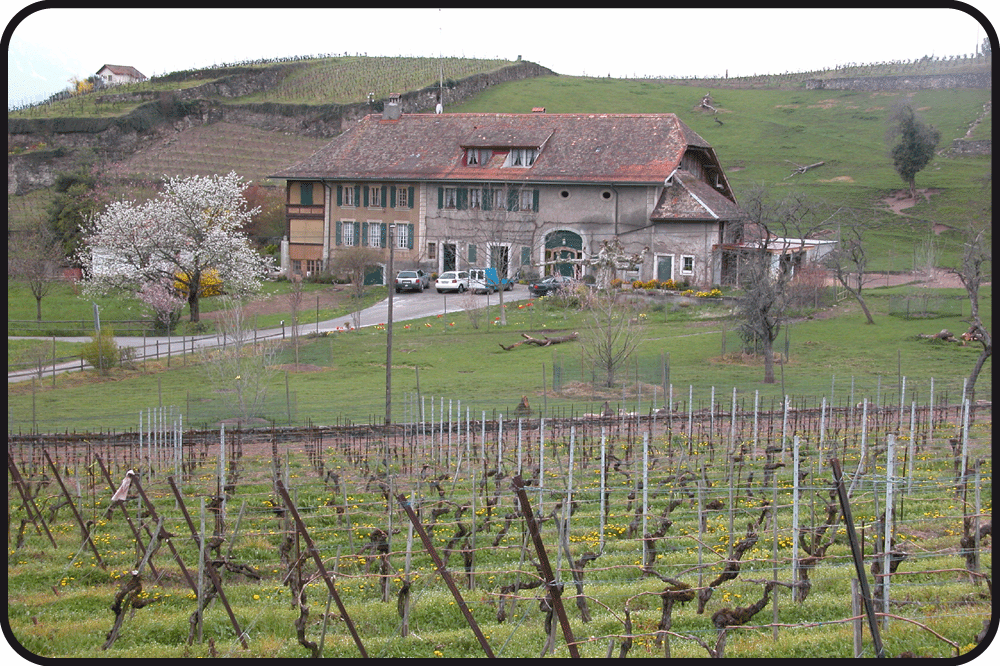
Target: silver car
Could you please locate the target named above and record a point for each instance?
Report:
(412, 281)
(457, 281)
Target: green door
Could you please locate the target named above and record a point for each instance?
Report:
(375, 275)
(664, 268)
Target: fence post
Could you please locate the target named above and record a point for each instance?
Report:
(439, 565)
(859, 564)
(554, 588)
(301, 527)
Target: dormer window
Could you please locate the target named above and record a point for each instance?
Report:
(477, 156)
(521, 157)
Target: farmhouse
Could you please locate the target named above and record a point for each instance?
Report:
(529, 194)
(113, 75)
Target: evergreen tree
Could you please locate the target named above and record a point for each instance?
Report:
(915, 142)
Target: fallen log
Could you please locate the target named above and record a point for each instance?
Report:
(802, 169)
(540, 342)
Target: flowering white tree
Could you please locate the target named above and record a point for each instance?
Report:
(190, 235)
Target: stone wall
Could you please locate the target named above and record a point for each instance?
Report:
(164, 113)
(888, 83)
(969, 147)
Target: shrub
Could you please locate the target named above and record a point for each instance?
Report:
(210, 284)
(101, 352)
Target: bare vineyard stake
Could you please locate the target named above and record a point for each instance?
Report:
(212, 573)
(79, 519)
(34, 515)
(128, 519)
(153, 515)
(859, 564)
(439, 565)
(301, 527)
(554, 588)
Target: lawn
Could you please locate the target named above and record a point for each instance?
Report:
(444, 363)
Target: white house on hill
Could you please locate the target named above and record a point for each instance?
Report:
(113, 75)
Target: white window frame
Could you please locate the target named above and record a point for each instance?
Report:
(475, 198)
(521, 157)
(525, 199)
(684, 260)
(451, 198)
(375, 196)
(402, 197)
(374, 233)
(402, 236)
(500, 199)
(347, 233)
(348, 197)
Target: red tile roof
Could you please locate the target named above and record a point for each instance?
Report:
(124, 70)
(689, 198)
(575, 148)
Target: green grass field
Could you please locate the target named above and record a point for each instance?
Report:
(342, 375)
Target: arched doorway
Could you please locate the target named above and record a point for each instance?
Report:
(562, 251)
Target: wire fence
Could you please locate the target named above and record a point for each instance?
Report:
(732, 515)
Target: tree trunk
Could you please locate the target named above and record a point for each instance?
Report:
(864, 307)
(38, 308)
(768, 360)
(193, 304)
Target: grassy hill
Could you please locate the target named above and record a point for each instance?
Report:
(764, 134)
(759, 133)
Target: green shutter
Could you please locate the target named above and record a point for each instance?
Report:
(534, 200)
(357, 194)
(409, 199)
(306, 194)
(357, 233)
(340, 199)
(365, 190)
(384, 200)
(487, 198)
(364, 234)
(382, 234)
(392, 196)
(512, 196)
(472, 253)
(525, 255)
(440, 197)
(462, 198)
(409, 236)
(338, 225)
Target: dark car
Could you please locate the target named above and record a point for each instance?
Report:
(412, 281)
(550, 285)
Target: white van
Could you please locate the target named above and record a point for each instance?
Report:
(486, 281)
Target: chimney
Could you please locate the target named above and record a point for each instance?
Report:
(393, 109)
(538, 109)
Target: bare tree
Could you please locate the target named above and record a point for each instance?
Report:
(295, 306)
(354, 263)
(497, 220)
(34, 256)
(774, 235)
(849, 264)
(977, 261)
(614, 330)
(242, 368)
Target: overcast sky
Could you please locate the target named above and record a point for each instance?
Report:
(51, 45)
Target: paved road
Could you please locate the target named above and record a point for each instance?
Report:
(404, 307)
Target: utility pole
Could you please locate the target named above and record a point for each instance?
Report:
(390, 282)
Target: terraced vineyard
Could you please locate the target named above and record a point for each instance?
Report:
(209, 149)
(351, 79)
